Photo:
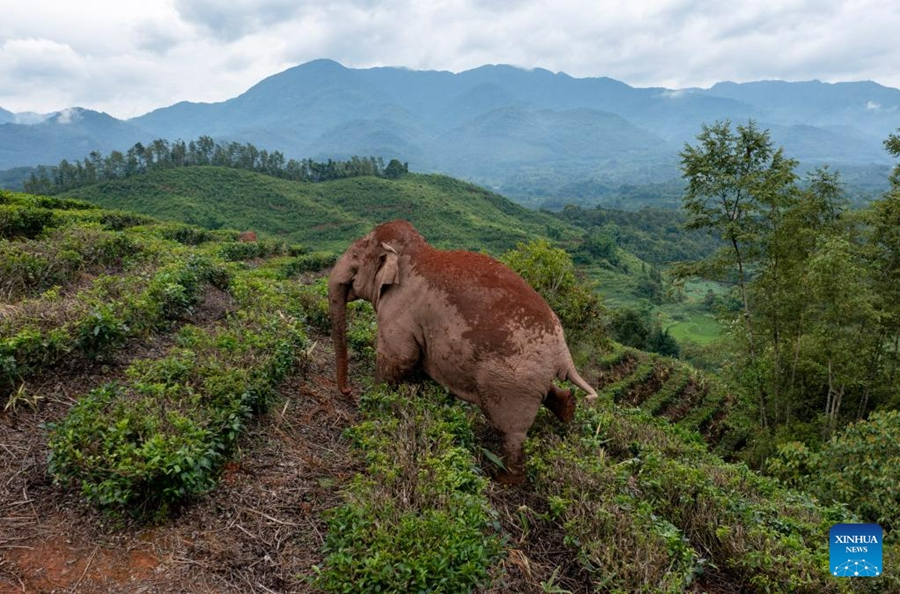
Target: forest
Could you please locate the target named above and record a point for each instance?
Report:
(813, 340)
(161, 154)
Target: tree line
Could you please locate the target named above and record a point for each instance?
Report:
(162, 154)
(816, 328)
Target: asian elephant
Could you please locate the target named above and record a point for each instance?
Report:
(471, 323)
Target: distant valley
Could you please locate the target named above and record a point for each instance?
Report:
(541, 138)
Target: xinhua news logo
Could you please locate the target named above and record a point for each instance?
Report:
(856, 550)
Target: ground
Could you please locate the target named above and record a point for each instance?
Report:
(260, 530)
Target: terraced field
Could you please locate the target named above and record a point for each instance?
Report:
(667, 388)
(170, 424)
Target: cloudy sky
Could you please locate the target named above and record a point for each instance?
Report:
(127, 57)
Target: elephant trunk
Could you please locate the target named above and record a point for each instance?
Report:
(337, 304)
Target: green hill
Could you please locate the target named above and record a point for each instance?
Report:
(165, 372)
(448, 212)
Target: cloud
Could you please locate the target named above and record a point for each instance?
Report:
(229, 21)
(130, 56)
(26, 61)
(68, 116)
(157, 37)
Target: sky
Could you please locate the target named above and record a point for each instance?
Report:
(128, 57)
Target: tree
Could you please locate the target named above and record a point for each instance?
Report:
(738, 186)
(395, 169)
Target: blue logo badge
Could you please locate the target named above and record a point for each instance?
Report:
(856, 550)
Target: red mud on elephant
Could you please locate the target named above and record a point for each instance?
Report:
(471, 323)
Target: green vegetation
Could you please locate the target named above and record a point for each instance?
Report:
(145, 443)
(634, 491)
(552, 274)
(328, 215)
(161, 154)
(859, 466)
(417, 519)
(813, 341)
(164, 435)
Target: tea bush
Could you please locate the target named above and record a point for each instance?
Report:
(312, 262)
(31, 266)
(103, 320)
(18, 222)
(264, 248)
(418, 519)
(146, 445)
(859, 467)
(675, 512)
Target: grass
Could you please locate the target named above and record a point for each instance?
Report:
(447, 212)
(699, 327)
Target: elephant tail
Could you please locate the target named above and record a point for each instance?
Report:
(570, 374)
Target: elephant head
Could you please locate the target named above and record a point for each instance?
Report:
(365, 271)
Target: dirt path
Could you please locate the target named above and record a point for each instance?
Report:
(260, 530)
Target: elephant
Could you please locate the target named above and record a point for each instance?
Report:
(466, 320)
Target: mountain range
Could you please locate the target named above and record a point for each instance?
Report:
(500, 126)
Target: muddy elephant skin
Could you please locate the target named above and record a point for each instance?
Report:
(468, 321)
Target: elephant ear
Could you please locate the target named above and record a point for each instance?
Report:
(388, 270)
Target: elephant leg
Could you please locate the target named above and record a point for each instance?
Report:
(514, 458)
(512, 417)
(560, 403)
(395, 359)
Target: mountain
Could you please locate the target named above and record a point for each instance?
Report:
(68, 134)
(495, 125)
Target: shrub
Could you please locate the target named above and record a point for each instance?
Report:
(236, 250)
(675, 511)
(23, 222)
(418, 519)
(859, 467)
(552, 274)
(312, 262)
(32, 266)
(99, 332)
(185, 234)
(146, 445)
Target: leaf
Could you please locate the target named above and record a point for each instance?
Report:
(493, 458)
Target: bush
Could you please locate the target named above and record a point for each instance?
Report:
(185, 234)
(32, 266)
(552, 274)
(674, 511)
(23, 222)
(859, 467)
(235, 251)
(146, 445)
(418, 519)
(312, 262)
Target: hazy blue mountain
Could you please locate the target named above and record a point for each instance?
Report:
(497, 125)
(69, 134)
(6, 116)
(866, 106)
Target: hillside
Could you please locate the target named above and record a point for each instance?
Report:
(535, 134)
(636, 246)
(330, 213)
(180, 385)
